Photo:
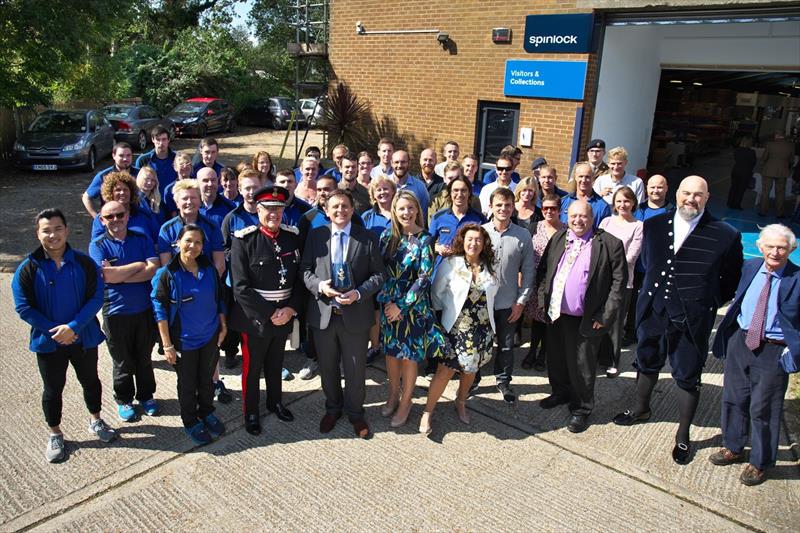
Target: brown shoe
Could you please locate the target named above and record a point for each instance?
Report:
(725, 457)
(361, 429)
(328, 422)
(752, 476)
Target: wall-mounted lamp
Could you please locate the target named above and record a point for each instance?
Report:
(443, 38)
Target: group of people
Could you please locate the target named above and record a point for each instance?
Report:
(441, 270)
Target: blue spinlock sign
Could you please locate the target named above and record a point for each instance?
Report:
(566, 34)
(545, 79)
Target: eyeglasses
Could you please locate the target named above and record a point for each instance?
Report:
(549, 208)
(114, 216)
(503, 169)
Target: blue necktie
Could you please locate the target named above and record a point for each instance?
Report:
(338, 252)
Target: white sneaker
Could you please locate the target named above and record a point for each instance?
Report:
(102, 430)
(308, 371)
(55, 451)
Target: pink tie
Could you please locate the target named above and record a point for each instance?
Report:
(756, 331)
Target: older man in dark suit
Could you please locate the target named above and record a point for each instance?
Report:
(759, 340)
(692, 264)
(342, 268)
(582, 274)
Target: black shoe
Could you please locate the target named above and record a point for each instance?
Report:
(681, 453)
(231, 361)
(221, 393)
(552, 401)
(508, 394)
(539, 366)
(578, 423)
(282, 413)
(252, 424)
(527, 363)
(628, 418)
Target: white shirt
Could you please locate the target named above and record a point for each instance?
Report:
(378, 170)
(486, 193)
(682, 229)
(628, 180)
(335, 240)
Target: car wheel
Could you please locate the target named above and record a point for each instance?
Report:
(202, 131)
(276, 123)
(91, 161)
(141, 141)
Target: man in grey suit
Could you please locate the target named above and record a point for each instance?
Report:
(342, 268)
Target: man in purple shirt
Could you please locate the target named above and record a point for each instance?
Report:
(581, 277)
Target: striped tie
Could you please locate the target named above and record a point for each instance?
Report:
(759, 320)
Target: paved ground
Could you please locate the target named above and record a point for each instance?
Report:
(514, 468)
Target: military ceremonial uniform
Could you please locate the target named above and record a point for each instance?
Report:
(264, 271)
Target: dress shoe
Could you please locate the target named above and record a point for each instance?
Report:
(628, 418)
(552, 401)
(752, 476)
(252, 424)
(328, 422)
(507, 392)
(527, 363)
(231, 361)
(361, 429)
(681, 453)
(578, 423)
(539, 366)
(425, 423)
(282, 413)
(725, 457)
(388, 409)
(461, 411)
(612, 372)
(399, 420)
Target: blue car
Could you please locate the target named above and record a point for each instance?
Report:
(63, 139)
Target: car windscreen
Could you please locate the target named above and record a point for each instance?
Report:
(117, 112)
(188, 108)
(65, 122)
(286, 103)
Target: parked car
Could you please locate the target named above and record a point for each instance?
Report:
(133, 123)
(273, 112)
(59, 139)
(199, 116)
(312, 110)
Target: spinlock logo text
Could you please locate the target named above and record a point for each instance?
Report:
(559, 33)
(536, 40)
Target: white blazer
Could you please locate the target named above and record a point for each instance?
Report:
(451, 287)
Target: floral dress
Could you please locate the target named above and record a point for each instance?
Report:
(471, 338)
(540, 240)
(417, 335)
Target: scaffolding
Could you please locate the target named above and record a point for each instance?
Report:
(310, 51)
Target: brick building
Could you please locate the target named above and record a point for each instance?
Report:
(459, 90)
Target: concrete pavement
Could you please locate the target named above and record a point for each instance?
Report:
(514, 468)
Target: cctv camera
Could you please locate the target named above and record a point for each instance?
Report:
(442, 37)
(360, 28)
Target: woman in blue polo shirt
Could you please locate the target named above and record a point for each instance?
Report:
(188, 304)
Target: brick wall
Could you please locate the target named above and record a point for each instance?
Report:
(433, 95)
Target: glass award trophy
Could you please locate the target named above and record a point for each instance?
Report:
(342, 277)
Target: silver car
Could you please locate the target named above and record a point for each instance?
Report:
(313, 111)
(133, 123)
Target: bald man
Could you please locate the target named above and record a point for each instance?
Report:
(692, 264)
(580, 277)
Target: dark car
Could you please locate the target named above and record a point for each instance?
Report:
(134, 123)
(199, 116)
(65, 139)
(272, 112)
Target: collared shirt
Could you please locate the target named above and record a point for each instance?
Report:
(417, 186)
(335, 172)
(378, 170)
(645, 211)
(628, 180)
(93, 190)
(216, 212)
(445, 224)
(375, 221)
(168, 236)
(772, 326)
(165, 168)
(217, 166)
(578, 277)
(513, 253)
(600, 209)
(486, 194)
(682, 229)
(360, 196)
(560, 192)
(199, 310)
(124, 298)
(335, 240)
(294, 211)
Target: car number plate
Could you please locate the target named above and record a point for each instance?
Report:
(45, 167)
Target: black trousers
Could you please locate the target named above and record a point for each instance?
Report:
(195, 369)
(130, 340)
(630, 320)
(263, 353)
(572, 363)
(53, 369)
(504, 357)
(738, 187)
(675, 344)
(230, 344)
(752, 400)
(334, 344)
(611, 343)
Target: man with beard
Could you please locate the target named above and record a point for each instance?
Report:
(433, 180)
(692, 264)
(349, 181)
(122, 156)
(405, 180)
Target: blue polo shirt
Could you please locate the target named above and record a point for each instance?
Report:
(124, 298)
(491, 176)
(375, 221)
(217, 168)
(600, 209)
(645, 211)
(237, 219)
(168, 236)
(295, 211)
(561, 192)
(139, 220)
(333, 171)
(199, 310)
(158, 218)
(417, 186)
(445, 224)
(93, 190)
(217, 210)
(165, 168)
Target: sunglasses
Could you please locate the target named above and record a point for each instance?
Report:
(549, 208)
(114, 216)
(503, 169)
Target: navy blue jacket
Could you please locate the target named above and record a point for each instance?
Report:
(35, 299)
